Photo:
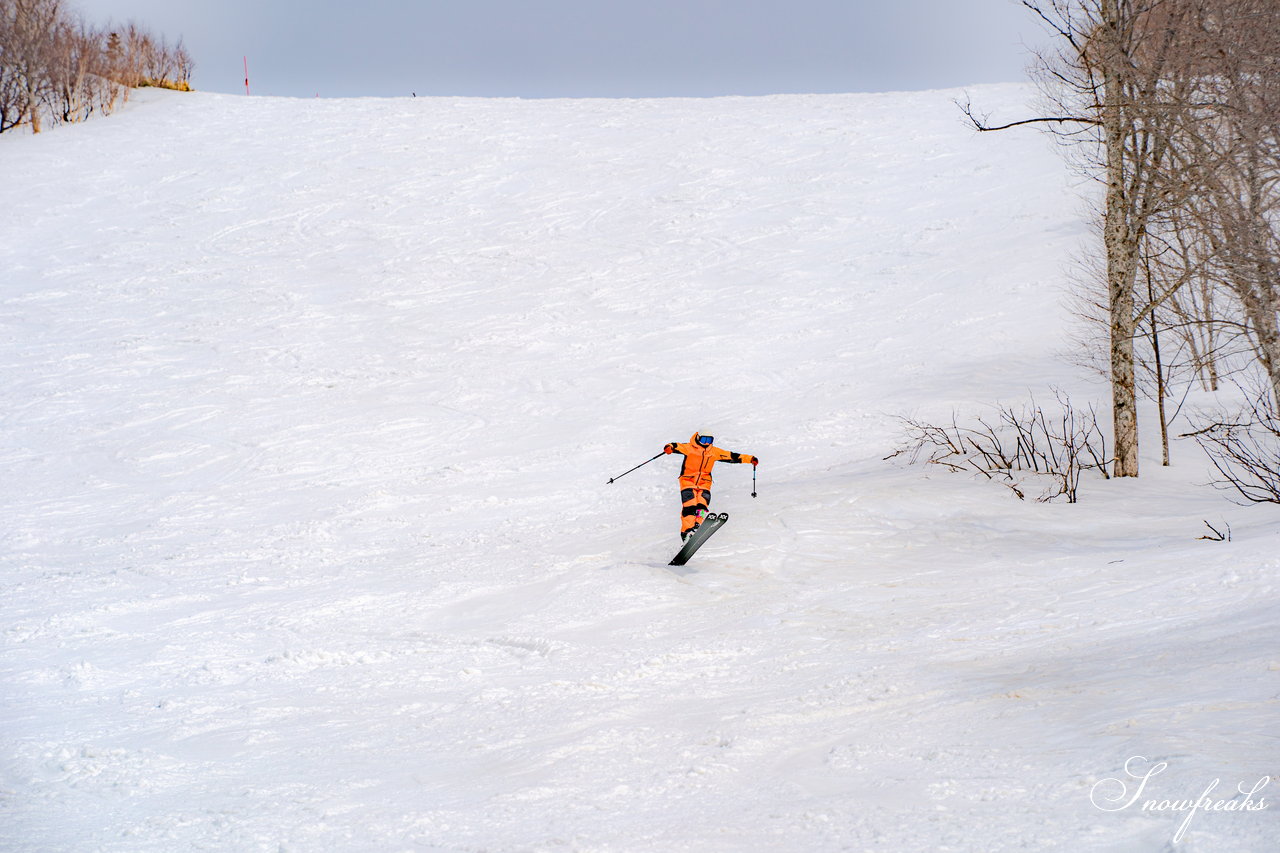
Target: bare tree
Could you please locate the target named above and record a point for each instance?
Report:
(139, 58)
(12, 85)
(184, 65)
(27, 53)
(78, 73)
(1195, 311)
(1175, 344)
(1117, 84)
(128, 48)
(1229, 149)
(69, 65)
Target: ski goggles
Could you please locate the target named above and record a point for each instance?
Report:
(705, 440)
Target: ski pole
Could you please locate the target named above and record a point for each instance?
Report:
(753, 481)
(641, 465)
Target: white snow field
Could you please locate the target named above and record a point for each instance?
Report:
(308, 412)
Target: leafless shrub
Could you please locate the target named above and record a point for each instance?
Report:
(1244, 449)
(1016, 446)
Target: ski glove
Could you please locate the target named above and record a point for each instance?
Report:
(755, 460)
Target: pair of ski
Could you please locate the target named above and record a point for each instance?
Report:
(698, 538)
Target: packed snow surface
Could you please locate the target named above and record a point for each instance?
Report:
(308, 412)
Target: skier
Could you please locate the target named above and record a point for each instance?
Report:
(700, 456)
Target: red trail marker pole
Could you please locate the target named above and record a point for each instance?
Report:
(246, 75)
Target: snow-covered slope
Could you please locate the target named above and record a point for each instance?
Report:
(308, 411)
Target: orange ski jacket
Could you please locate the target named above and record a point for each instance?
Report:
(698, 461)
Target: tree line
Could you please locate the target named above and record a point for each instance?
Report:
(57, 68)
(1173, 106)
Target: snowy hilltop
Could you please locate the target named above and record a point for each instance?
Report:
(309, 411)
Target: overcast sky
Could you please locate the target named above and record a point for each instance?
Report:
(587, 48)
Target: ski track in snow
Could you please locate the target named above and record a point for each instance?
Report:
(308, 412)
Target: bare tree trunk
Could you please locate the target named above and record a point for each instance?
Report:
(1123, 383)
(1121, 238)
(33, 107)
(1158, 369)
(1210, 359)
